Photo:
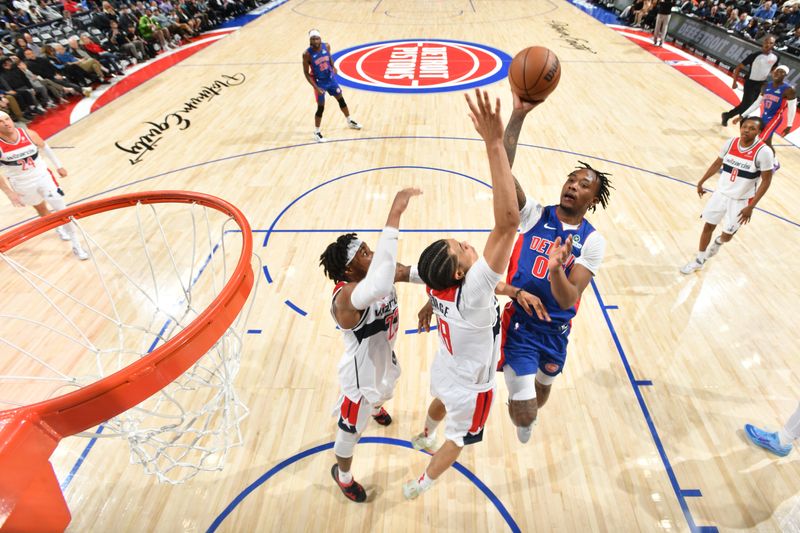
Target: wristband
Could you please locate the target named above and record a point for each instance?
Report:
(516, 294)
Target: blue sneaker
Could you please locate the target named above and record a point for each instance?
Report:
(768, 441)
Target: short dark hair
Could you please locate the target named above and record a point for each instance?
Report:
(437, 266)
(755, 118)
(334, 259)
(603, 178)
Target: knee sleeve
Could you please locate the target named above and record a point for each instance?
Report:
(320, 110)
(345, 443)
(519, 387)
(342, 103)
(544, 379)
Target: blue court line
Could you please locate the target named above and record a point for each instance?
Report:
(414, 331)
(253, 331)
(266, 273)
(676, 488)
(81, 459)
(356, 173)
(384, 138)
(612, 307)
(692, 493)
(364, 440)
(295, 308)
(643, 383)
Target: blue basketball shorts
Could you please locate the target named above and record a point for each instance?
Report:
(528, 350)
(330, 86)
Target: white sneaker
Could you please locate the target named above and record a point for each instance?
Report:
(524, 433)
(353, 124)
(79, 252)
(411, 490)
(713, 248)
(421, 442)
(62, 233)
(692, 266)
(319, 138)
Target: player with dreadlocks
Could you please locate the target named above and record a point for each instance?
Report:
(556, 254)
(364, 307)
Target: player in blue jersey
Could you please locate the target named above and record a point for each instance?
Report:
(776, 97)
(556, 254)
(320, 73)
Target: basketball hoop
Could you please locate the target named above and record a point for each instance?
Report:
(170, 274)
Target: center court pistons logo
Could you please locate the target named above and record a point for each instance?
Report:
(420, 66)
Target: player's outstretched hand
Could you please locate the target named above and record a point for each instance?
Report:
(736, 120)
(425, 314)
(402, 197)
(559, 252)
(399, 206)
(487, 121)
(521, 105)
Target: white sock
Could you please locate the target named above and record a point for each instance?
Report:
(430, 426)
(376, 410)
(425, 482)
(701, 257)
(316, 130)
(345, 477)
(791, 431)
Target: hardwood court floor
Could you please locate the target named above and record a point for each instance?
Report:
(642, 431)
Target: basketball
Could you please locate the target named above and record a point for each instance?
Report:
(534, 73)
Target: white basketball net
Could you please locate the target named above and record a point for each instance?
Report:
(152, 269)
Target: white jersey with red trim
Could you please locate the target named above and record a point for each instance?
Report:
(21, 162)
(468, 349)
(742, 167)
(369, 367)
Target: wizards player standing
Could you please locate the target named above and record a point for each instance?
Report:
(320, 73)
(556, 255)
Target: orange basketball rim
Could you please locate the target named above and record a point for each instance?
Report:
(30, 496)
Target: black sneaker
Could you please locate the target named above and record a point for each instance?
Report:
(354, 491)
(724, 119)
(383, 418)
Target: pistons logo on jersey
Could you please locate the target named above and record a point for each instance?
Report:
(542, 247)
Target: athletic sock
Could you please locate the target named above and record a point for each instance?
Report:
(425, 482)
(430, 426)
(345, 478)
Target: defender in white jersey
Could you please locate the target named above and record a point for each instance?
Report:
(461, 289)
(364, 307)
(26, 180)
(746, 165)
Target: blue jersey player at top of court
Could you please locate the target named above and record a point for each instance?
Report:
(777, 99)
(556, 255)
(321, 74)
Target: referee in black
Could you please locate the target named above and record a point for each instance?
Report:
(761, 65)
